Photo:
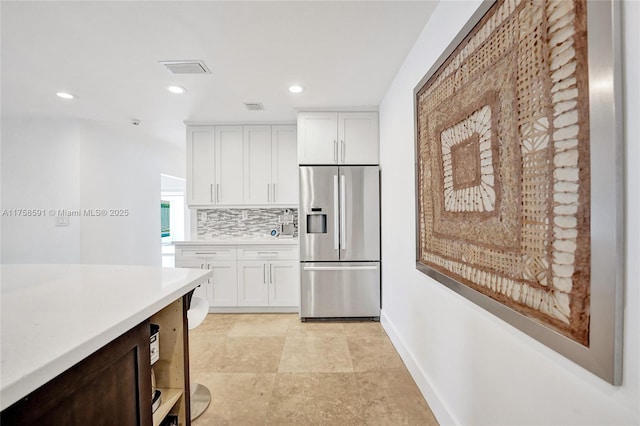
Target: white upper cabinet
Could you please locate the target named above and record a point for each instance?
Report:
(338, 138)
(257, 165)
(284, 168)
(242, 165)
(317, 138)
(358, 138)
(229, 157)
(270, 168)
(200, 173)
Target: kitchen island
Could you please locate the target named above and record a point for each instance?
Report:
(75, 342)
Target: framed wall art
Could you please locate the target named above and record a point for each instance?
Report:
(519, 173)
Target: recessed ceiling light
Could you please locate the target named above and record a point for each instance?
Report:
(295, 88)
(65, 95)
(176, 89)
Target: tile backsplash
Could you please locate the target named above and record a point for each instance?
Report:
(229, 223)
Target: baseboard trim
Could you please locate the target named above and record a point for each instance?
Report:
(430, 394)
(253, 310)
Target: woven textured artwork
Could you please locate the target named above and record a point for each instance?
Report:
(503, 163)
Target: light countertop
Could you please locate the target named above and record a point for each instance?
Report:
(54, 316)
(239, 241)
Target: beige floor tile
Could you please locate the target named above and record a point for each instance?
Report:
(364, 328)
(216, 324)
(374, 352)
(261, 325)
(314, 399)
(201, 349)
(247, 355)
(298, 328)
(391, 397)
(316, 354)
(237, 357)
(237, 398)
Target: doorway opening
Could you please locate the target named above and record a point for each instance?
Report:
(173, 216)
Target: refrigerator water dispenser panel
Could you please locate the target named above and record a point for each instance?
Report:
(316, 222)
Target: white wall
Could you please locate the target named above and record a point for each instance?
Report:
(472, 367)
(80, 164)
(120, 169)
(40, 167)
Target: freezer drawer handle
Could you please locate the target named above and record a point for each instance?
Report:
(339, 268)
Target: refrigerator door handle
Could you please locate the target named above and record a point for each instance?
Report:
(343, 213)
(339, 268)
(336, 218)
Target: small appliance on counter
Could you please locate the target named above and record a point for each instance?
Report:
(286, 225)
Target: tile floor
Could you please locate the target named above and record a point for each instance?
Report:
(272, 369)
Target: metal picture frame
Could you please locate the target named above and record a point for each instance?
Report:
(603, 354)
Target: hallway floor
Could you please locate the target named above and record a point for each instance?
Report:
(273, 369)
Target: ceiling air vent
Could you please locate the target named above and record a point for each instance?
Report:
(186, 67)
(253, 106)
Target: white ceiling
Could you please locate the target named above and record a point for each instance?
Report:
(343, 53)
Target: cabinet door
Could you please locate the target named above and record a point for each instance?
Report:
(284, 168)
(224, 284)
(317, 138)
(111, 386)
(258, 188)
(283, 283)
(253, 287)
(204, 290)
(228, 170)
(200, 160)
(358, 138)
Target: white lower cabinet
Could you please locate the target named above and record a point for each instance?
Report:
(284, 285)
(220, 290)
(272, 283)
(223, 287)
(204, 289)
(253, 287)
(263, 276)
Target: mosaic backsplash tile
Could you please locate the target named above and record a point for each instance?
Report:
(228, 223)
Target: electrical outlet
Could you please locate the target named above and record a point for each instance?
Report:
(245, 215)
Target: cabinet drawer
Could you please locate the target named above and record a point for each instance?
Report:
(267, 252)
(206, 252)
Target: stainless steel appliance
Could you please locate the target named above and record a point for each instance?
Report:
(339, 227)
(287, 227)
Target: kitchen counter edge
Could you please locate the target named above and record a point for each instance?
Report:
(238, 242)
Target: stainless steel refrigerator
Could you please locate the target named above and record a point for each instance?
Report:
(339, 229)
